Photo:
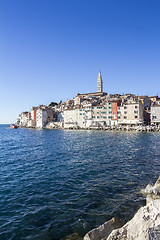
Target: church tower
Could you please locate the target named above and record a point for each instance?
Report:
(99, 83)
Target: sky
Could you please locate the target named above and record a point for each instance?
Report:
(50, 50)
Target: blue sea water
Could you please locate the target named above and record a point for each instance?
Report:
(54, 182)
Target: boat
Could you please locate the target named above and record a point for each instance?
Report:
(13, 126)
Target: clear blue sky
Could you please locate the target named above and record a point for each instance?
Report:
(53, 49)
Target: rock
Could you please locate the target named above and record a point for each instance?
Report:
(145, 225)
(103, 231)
(152, 192)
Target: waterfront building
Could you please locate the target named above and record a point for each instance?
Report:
(23, 119)
(44, 115)
(33, 112)
(147, 116)
(100, 114)
(92, 114)
(131, 113)
(114, 104)
(41, 116)
(60, 116)
(69, 118)
(155, 114)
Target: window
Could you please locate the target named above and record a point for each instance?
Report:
(80, 113)
(125, 107)
(97, 116)
(119, 112)
(109, 112)
(135, 111)
(125, 117)
(97, 112)
(104, 117)
(104, 107)
(136, 107)
(125, 112)
(135, 116)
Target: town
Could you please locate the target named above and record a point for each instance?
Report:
(97, 110)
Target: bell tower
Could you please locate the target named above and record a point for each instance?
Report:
(99, 83)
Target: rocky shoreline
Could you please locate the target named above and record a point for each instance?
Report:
(112, 128)
(121, 129)
(145, 225)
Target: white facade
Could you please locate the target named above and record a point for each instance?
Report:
(60, 117)
(23, 119)
(69, 118)
(41, 118)
(155, 114)
(89, 116)
(131, 113)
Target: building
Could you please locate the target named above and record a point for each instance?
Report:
(33, 112)
(69, 118)
(131, 113)
(41, 116)
(44, 115)
(155, 114)
(145, 100)
(23, 119)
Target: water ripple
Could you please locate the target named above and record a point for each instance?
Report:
(54, 183)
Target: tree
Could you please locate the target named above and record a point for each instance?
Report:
(52, 104)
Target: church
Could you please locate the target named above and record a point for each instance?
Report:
(99, 92)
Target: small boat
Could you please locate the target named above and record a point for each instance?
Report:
(13, 126)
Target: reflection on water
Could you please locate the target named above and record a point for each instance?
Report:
(56, 183)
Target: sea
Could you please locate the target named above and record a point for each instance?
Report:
(54, 183)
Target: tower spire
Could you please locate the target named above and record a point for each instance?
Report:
(99, 83)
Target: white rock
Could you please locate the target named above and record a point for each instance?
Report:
(145, 225)
(104, 230)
